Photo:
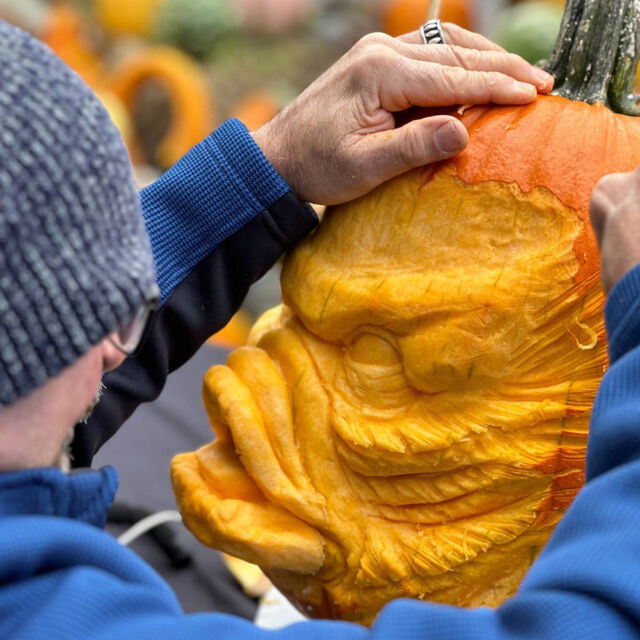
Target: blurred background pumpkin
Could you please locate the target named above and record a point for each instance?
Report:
(132, 17)
(401, 16)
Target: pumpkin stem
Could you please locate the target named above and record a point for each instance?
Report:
(597, 53)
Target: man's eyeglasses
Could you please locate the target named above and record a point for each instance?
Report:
(130, 337)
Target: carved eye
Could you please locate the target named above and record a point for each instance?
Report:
(374, 372)
(372, 349)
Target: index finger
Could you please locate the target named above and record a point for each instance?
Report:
(455, 35)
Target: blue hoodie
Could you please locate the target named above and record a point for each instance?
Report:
(62, 576)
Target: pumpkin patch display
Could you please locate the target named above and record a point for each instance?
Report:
(412, 421)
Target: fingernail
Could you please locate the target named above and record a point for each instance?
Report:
(449, 139)
(544, 79)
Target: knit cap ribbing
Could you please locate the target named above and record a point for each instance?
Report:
(75, 259)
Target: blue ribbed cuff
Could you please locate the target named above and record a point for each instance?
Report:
(622, 315)
(212, 192)
(81, 495)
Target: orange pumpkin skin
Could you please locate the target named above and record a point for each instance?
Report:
(565, 146)
(401, 16)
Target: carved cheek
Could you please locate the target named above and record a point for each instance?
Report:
(455, 349)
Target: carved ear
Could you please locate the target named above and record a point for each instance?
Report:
(225, 509)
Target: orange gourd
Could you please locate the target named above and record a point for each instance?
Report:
(413, 421)
(65, 34)
(401, 16)
(255, 109)
(189, 91)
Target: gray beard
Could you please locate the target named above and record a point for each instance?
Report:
(64, 457)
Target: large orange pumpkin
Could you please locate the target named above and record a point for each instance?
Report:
(401, 16)
(413, 421)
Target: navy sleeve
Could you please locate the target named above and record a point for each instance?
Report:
(218, 220)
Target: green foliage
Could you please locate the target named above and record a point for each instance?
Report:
(196, 26)
(529, 29)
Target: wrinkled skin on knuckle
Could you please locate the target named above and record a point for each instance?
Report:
(454, 83)
(436, 76)
(375, 38)
(362, 67)
(460, 57)
(377, 56)
(412, 148)
(491, 81)
(375, 64)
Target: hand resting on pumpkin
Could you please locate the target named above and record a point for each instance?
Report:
(338, 139)
(615, 217)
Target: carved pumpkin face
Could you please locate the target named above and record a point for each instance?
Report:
(413, 421)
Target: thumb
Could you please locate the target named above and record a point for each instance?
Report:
(415, 144)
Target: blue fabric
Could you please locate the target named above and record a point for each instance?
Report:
(211, 193)
(61, 578)
(84, 496)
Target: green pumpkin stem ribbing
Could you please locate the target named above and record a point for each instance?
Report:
(597, 53)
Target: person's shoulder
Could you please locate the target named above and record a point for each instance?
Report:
(58, 571)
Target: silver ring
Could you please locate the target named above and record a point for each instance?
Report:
(432, 32)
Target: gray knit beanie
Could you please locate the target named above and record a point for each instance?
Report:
(75, 259)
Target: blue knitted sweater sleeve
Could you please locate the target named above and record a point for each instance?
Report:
(230, 181)
(218, 220)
